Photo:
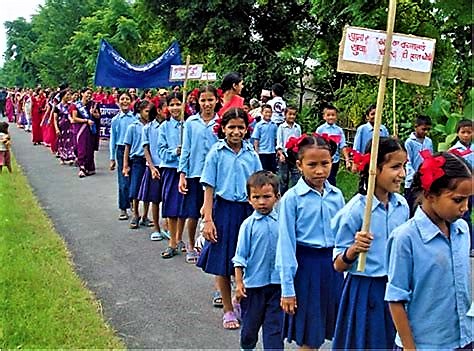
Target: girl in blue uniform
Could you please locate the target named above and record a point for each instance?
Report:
(228, 165)
(310, 285)
(429, 270)
(364, 321)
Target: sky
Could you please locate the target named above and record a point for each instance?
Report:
(11, 10)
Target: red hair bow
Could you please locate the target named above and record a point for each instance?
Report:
(329, 137)
(217, 126)
(431, 169)
(360, 160)
(460, 153)
(293, 143)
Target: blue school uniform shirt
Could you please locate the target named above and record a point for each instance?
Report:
(227, 172)
(118, 129)
(284, 132)
(150, 136)
(265, 132)
(169, 138)
(461, 147)
(364, 134)
(256, 249)
(197, 141)
(432, 275)
(383, 221)
(305, 219)
(334, 129)
(414, 146)
(133, 137)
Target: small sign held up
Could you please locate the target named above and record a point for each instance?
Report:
(411, 59)
(178, 72)
(209, 76)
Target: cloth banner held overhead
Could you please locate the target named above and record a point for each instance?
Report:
(112, 70)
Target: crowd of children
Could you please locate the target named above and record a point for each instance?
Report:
(273, 218)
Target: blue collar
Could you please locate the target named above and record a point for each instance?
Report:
(223, 144)
(273, 215)
(428, 230)
(301, 188)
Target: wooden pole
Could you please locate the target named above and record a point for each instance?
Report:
(394, 105)
(183, 106)
(378, 119)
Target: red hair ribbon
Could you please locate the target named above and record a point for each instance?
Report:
(460, 153)
(431, 169)
(329, 137)
(217, 126)
(293, 143)
(360, 160)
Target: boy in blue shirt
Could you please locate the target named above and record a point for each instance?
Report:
(365, 132)
(264, 139)
(416, 142)
(258, 282)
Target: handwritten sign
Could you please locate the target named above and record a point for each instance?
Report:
(209, 76)
(178, 72)
(411, 58)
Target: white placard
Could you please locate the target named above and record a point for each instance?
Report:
(209, 76)
(178, 72)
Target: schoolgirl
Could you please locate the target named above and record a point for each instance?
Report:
(364, 321)
(228, 165)
(310, 286)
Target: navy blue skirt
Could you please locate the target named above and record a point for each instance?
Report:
(170, 196)
(193, 200)
(364, 320)
(137, 169)
(216, 258)
(318, 289)
(150, 189)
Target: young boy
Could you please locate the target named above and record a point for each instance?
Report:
(416, 142)
(287, 171)
(278, 104)
(258, 282)
(331, 128)
(264, 139)
(364, 132)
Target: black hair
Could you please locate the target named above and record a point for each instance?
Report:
(83, 90)
(386, 146)
(261, 178)
(290, 108)
(370, 108)
(464, 123)
(4, 127)
(233, 113)
(138, 107)
(308, 142)
(264, 106)
(208, 89)
(125, 92)
(145, 92)
(278, 89)
(229, 80)
(330, 107)
(174, 95)
(423, 121)
(62, 93)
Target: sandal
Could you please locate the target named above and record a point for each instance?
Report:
(237, 309)
(81, 174)
(156, 236)
(181, 247)
(230, 321)
(217, 299)
(169, 252)
(134, 223)
(123, 216)
(192, 257)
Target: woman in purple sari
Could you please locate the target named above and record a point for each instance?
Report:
(65, 141)
(85, 118)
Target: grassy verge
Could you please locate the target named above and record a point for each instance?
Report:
(43, 303)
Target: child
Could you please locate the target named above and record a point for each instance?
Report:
(118, 128)
(134, 162)
(331, 128)
(416, 142)
(429, 270)
(169, 150)
(310, 287)
(277, 104)
(363, 321)
(287, 170)
(364, 132)
(264, 139)
(197, 141)
(5, 147)
(258, 283)
(228, 165)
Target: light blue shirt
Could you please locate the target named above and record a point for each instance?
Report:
(197, 141)
(150, 137)
(414, 146)
(305, 219)
(334, 129)
(265, 132)
(383, 221)
(461, 147)
(227, 172)
(432, 275)
(284, 133)
(256, 249)
(169, 139)
(118, 129)
(133, 137)
(364, 135)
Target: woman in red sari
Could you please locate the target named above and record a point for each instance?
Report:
(48, 126)
(231, 86)
(39, 102)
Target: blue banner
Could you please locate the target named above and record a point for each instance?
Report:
(112, 70)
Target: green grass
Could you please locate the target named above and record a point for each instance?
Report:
(348, 183)
(43, 303)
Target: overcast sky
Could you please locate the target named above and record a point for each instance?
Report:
(11, 10)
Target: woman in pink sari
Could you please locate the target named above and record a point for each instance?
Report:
(10, 107)
(231, 86)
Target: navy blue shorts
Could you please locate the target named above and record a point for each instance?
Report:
(137, 169)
